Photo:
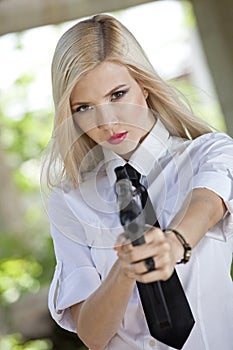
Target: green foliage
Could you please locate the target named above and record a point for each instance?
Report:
(28, 136)
(10, 246)
(16, 277)
(25, 129)
(15, 342)
(25, 132)
(24, 141)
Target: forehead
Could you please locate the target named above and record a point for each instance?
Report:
(103, 78)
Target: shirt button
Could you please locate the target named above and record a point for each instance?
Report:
(152, 342)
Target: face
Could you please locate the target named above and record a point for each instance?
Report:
(110, 107)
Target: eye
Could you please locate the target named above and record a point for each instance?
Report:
(82, 109)
(118, 94)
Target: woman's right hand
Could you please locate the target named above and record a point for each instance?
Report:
(159, 246)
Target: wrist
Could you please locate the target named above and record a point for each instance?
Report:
(182, 247)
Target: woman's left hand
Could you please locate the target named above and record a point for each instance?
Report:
(159, 245)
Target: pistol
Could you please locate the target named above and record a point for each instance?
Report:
(132, 219)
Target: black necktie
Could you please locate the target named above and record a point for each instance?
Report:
(165, 305)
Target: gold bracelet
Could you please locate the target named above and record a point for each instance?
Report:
(186, 246)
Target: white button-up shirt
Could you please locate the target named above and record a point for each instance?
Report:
(85, 224)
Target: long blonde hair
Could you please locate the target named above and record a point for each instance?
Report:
(81, 49)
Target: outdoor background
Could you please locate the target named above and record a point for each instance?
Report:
(168, 32)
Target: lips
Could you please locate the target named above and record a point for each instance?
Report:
(117, 138)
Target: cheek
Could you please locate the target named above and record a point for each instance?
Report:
(84, 124)
(139, 107)
(93, 134)
(136, 115)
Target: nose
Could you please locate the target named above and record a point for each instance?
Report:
(106, 116)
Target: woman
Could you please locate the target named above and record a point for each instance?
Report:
(112, 109)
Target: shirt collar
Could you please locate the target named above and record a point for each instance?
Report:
(143, 159)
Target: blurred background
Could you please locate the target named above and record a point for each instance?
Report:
(190, 44)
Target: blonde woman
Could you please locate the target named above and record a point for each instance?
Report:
(112, 109)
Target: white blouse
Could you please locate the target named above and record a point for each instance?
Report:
(85, 224)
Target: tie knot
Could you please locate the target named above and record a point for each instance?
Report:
(128, 172)
(132, 173)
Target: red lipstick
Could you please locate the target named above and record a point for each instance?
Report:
(117, 138)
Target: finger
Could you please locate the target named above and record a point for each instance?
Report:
(159, 262)
(143, 266)
(123, 254)
(149, 264)
(122, 239)
(154, 235)
(140, 273)
(144, 251)
(161, 274)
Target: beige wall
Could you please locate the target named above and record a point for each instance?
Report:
(215, 24)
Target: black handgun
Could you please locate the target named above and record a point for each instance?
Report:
(133, 220)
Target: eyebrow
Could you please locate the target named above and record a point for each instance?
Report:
(106, 95)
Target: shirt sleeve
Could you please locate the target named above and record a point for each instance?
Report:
(75, 276)
(214, 157)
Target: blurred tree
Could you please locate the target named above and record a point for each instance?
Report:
(11, 214)
(15, 342)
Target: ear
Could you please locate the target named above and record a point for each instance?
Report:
(145, 93)
(144, 90)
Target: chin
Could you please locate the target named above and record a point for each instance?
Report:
(126, 149)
